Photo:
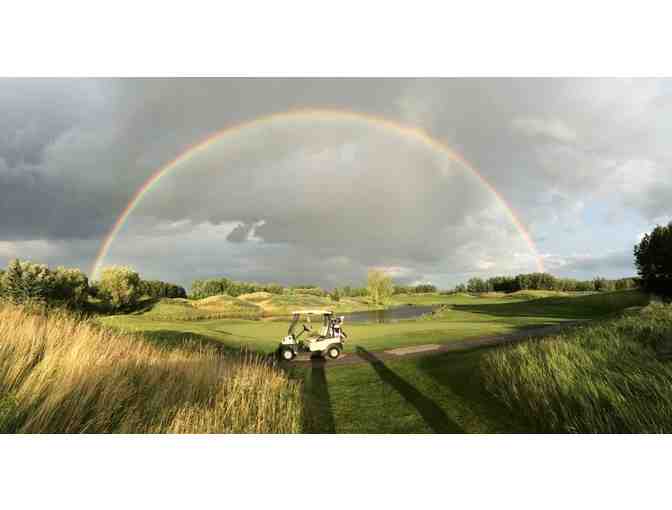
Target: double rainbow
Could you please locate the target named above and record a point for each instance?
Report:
(408, 132)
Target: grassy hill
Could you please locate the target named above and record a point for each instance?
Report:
(608, 377)
(285, 304)
(187, 310)
(246, 306)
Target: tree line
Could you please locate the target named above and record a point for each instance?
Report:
(544, 281)
(422, 288)
(216, 286)
(379, 287)
(24, 282)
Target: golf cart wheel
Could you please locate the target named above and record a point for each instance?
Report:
(287, 354)
(333, 352)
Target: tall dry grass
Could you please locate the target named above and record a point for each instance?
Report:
(59, 373)
(610, 377)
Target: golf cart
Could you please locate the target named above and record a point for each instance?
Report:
(301, 337)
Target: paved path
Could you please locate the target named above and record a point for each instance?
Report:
(432, 349)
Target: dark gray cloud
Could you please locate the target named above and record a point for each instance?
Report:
(324, 202)
(241, 233)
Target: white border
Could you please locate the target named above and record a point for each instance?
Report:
(333, 472)
(345, 38)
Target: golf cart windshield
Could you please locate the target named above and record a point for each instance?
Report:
(296, 328)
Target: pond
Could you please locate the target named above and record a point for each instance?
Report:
(390, 315)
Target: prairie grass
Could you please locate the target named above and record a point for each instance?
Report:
(59, 373)
(609, 377)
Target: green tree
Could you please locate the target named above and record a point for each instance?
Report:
(274, 288)
(625, 284)
(26, 282)
(424, 288)
(653, 258)
(71, 286)
(335, 295)
(379, 286)
(12, 282)
(477, 285)
(603, 285)
(120, 286)
(158, 289)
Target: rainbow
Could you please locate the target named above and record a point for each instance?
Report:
(409, 132)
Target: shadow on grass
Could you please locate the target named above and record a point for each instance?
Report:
(581, 307)
(318, 417)
(435, 418)
(179, 339)
(460, 374)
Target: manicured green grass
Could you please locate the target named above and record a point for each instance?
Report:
(430, 298)
(441, 394)
(264, 336)
(571, 307)
(463, 317)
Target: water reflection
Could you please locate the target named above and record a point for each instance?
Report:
(389, 315)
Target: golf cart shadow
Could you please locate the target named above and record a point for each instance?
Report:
(317, 413)
(435, 418)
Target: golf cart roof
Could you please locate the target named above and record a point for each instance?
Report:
(312, 312)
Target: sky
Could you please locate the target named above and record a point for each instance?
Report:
(584, 164)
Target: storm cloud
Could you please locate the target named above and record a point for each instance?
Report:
(585, 164)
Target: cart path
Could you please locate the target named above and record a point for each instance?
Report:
(350, 358)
